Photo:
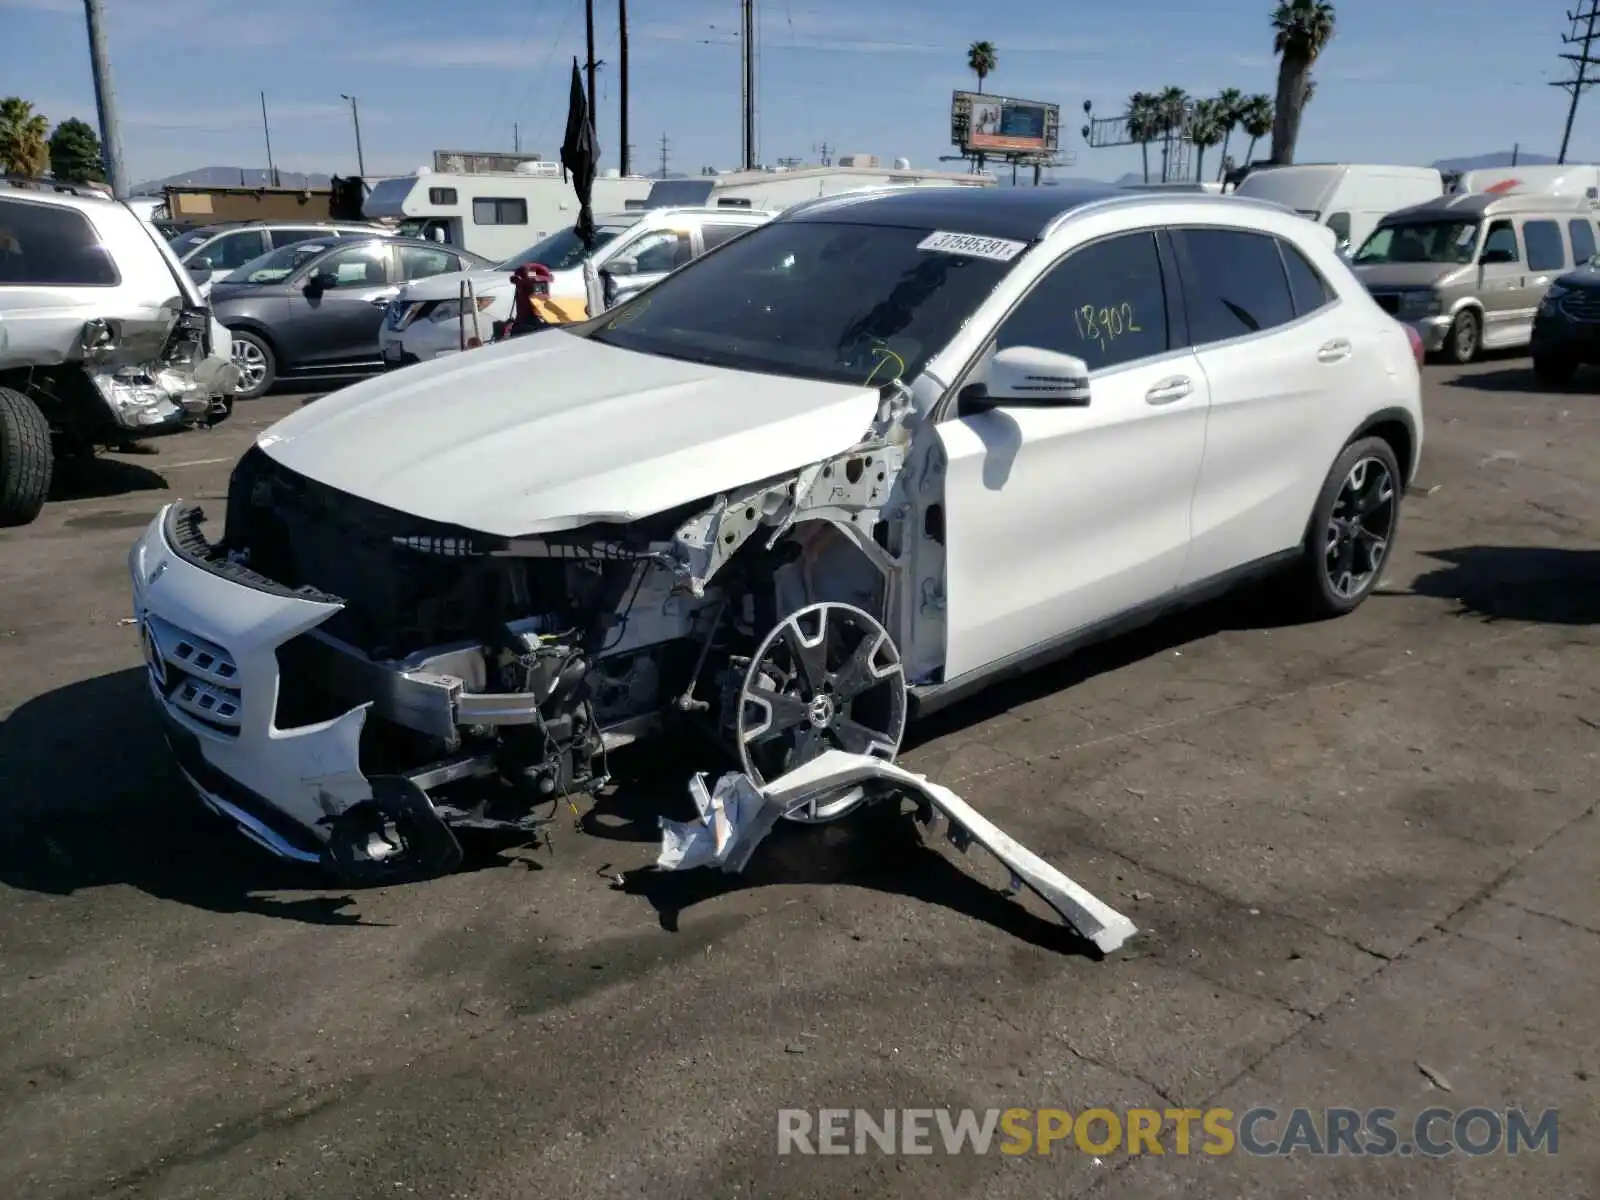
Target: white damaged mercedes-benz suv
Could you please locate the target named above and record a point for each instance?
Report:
(859, 463)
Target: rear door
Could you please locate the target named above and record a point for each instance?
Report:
(1547, 257)
(1277, 348)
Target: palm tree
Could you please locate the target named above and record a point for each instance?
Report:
(1144, 125)
(1301, 31)
(1230, 109)
(1256, 120)
(1205, 130)
(24, 138)
(982, 60)
(1172, 109)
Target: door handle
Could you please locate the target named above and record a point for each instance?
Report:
(1333, 351)
(379, 301)
(1169, 390)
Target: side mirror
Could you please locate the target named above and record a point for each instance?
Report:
(1027, 376)
(322, 281)
(1490, 257)
(199, 266)
(621, 266)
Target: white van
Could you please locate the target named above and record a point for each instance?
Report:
(1349, 198)
(1566, 179)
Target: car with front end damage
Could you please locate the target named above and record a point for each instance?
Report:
(104, 339)
(859, 463)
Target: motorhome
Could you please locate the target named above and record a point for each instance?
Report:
(1349, 198)
(1547, 180)
(493, 213)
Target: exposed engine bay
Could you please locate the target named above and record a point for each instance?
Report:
(499, 673)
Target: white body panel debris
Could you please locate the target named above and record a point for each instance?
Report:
(736, 815)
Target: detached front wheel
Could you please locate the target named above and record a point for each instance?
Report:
(26, 459)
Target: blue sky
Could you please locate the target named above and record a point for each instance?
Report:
(1403, 81)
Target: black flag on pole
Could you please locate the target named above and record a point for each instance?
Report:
(580, 154)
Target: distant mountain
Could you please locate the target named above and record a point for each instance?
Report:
(233, 177)
(1499, 158)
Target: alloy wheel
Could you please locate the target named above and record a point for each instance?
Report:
(1360, 528)
(252, 365)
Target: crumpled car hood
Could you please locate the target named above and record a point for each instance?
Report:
(554, 431)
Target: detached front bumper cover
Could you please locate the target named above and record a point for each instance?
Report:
(736, 815)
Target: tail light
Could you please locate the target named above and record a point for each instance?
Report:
(1415, 339)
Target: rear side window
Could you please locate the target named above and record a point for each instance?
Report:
(1582, 234)
(232, 250)
(1543, 241)
(293, 237)
(714, 235)
(1234, 284)
(419, 262)
(44, 245)
(1105, 303)
(1307, 287)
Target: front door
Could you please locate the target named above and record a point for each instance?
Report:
(337, 327)
(1059, 518)
(649, 257)
(1507, 317)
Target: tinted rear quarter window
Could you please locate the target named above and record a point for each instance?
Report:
(1234, 284)
(1582, 234)
(1543, 242)
(1307, 287)
(290, 237)
(1104, 303)
(714, 235)
(42, 244)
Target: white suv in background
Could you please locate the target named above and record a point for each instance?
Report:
(633, 251)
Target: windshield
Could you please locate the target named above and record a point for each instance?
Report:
(561, 250)
(847, 303)
(277, 265)
(1420, 242)
(187, 243)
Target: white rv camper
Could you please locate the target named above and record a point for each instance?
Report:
(494, 214)
(1545, 179)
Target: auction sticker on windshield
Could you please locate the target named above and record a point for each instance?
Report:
(971, 246)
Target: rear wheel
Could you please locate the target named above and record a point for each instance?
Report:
(258, 365)
(1554, 368)
(1352, 529)
(1462, 344)
(26, 458)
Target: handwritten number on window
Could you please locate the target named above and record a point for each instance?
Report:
(1105, 324)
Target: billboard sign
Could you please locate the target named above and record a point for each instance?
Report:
(1003, 125)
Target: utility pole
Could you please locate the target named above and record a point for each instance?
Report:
(827, 150)
(748, 40)
(266, 130)
(588, 26)
(663, 156)
(516, 138)
(355, 115)
(622, 88)
(105, 100)
(1579, 83)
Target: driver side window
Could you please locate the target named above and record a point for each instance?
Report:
(1104, 303)
(665, 250)
(1501, 243)
(359, 266)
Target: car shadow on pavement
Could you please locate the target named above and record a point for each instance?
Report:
(89, 798)
(1543, 584)
(92, 478)
(1522, 379)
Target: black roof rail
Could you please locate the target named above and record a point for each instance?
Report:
(41, 184)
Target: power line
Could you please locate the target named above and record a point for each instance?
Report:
(1580, 82)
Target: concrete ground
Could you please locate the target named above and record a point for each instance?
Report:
(1365, 853)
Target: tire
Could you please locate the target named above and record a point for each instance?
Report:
(26, 459)
(258, 365)
(1465, 338)
(1554, 369)
(1325, 583)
